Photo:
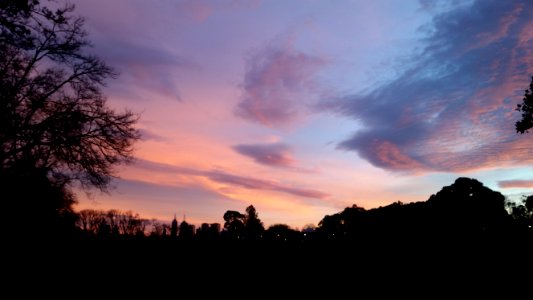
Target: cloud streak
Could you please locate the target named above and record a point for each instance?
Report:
(278, 80)
(262, 184)
(232, 179)
(451, 109)
(139, 65)
(509, 184)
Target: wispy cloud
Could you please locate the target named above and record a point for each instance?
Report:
(140, 65)
(279, 80)
(221, 176)
(135, 50)
(262, 184)
(451, 109)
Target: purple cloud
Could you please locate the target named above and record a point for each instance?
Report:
(197, 9)
(278, 79)
(201, 10)
(261, 184)
(143, 66)
(128, 47)
(508, 184)
(149, 135)
(276, 155)
(236, 180)
(452, 108)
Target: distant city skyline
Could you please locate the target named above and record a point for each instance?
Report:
(302, 108)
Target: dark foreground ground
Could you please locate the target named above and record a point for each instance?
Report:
(328, 269)
(201, 257)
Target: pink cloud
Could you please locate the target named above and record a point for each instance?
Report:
(508, 184)
(392, 156)
(279, 80)
(262, 184)
(232, 179)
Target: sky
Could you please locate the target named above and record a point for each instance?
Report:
(302, 108)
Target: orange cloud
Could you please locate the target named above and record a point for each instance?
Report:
(390, 155)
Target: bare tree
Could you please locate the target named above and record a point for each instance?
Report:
(53, 115)
(111, 222)
(90, 220)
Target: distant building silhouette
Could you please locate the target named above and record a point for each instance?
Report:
(174, 228)
(208, 231)
(186, 230)
(215, 228)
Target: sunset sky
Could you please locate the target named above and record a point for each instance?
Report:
(302, 108)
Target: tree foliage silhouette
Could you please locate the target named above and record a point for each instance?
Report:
(528, 202)
(462, 208)
(522, 213)
(253, 227)
(53, 115)
(526, 108)
(45, 205)
(55, 126)
(234, 223)
(282, 232)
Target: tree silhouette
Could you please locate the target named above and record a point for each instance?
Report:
(159, 229)
(528, 202)
(526, 108)
(468, 205)
(310, 227)
(282, 232)
(345, 224)
(112, 223)
(234, 224)
(55, 126)
(53, 115)
(45, 205)
(522, 213)
(463, 208)
(253, 227)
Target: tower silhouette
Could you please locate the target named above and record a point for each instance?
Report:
(174, 227)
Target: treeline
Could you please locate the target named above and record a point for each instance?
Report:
(111, 223)
(116, 224)
(465, 209)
